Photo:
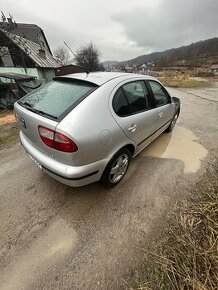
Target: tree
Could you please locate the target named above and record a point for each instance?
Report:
(62, 55)
(88, 56)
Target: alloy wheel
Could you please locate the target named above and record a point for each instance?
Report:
(119, 168)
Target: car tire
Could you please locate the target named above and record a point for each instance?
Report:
(116, 168)
(173, 123)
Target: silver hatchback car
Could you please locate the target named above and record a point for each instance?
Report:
(86, 127)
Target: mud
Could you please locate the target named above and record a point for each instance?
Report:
(51, 248)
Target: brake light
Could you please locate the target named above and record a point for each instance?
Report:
(56, 140)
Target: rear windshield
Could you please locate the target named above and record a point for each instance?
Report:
(57, 97)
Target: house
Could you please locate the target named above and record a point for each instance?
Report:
(28, 31)
(214, 68)
(24, 50)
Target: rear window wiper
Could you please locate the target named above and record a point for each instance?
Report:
(29, 107)
(26, 104)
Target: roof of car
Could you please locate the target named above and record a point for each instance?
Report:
(99, 78)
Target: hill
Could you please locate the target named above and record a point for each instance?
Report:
(196, 54)
(109, 64)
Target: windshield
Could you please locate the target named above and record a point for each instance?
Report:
(57, 97)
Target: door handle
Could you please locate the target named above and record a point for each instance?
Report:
(132, 128)
(160, 114)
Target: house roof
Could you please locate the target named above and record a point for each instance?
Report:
(15, 76)
(28, 31)
(31, 49)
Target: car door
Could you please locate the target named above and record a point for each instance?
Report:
(134, 112)
(165, 108)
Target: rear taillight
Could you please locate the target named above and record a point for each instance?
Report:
(47, 135)
(56, 140)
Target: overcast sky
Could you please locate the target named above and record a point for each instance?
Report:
(121, 29)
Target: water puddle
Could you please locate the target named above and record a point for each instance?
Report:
(180, 144)
(50, 248)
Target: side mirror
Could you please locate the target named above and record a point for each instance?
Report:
(175, 100)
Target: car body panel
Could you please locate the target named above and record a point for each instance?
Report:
(99, 125)
(165, 114)
(32, 122)
(145, 121)
(70, 175)
(29, 121)
(95, 128)
(100, 78)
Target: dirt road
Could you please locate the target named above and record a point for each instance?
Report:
(56, 237)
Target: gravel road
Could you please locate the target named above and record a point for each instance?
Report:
(56, 237)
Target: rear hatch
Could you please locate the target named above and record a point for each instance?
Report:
(46, 107)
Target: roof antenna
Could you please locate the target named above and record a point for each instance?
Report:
(69, 48)
(87, 73)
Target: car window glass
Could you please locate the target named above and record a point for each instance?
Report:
(160, 95)
(120, 104)
(137, 96)
(56, 97)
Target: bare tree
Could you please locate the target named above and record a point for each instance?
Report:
(88, 56)
(62, 55)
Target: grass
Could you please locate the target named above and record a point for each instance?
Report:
(183, 82)
(188, 256)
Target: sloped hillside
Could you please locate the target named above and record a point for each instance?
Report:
(196, 54)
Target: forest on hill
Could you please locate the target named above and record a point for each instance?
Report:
(201, 53)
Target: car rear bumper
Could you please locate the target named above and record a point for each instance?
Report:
(70, 175)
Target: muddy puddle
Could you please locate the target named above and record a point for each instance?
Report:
(45, 253)
(181, 144)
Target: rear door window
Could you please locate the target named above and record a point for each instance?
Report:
(132, 98)
(137, 96)
(57, 97)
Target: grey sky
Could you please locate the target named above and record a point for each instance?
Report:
(121, 29)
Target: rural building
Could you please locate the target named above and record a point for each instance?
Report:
(214, 68)
(24, 50)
